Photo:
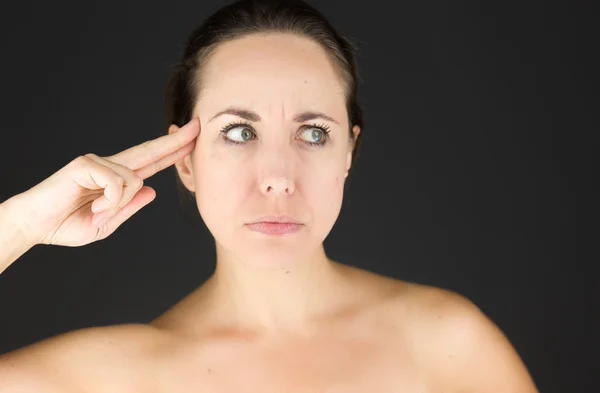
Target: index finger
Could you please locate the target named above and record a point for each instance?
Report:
(154, 150)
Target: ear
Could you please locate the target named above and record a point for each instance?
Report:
(184, 166)
(355, 132)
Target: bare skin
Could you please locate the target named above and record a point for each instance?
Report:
(391, 336)
(324, 327)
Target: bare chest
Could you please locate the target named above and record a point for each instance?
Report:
(348, 366)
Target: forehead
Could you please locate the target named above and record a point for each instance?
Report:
(272, 72)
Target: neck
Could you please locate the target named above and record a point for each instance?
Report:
(291, 293)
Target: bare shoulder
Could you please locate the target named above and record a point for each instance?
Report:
(108, 358)
(461, 346)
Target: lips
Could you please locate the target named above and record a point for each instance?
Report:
(276, 219)
(274, 228)
(275, 225)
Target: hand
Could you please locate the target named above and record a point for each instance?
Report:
(90, 197)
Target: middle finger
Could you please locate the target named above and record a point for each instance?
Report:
(155, 150)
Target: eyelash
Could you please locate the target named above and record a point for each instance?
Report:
(323, 127)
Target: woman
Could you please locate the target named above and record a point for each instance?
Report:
(265, 127)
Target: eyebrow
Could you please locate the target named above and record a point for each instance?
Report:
(255, 117)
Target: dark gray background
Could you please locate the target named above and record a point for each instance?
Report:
(465, 179)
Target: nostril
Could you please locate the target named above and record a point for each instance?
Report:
(279, 185)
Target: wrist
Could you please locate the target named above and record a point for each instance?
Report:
(14, 211)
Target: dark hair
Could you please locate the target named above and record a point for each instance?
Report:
(247, 17)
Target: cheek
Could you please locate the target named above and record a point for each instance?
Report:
(219, 185)
(324, 191)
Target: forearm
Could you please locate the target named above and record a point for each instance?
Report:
(13, 239)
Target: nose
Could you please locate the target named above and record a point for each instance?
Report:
(277, 185)
(276, 174)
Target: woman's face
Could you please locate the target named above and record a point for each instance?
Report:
(281, 165)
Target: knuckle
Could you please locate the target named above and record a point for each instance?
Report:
(80, 161)
(146, 143)
(148, 150)
(179, 144)
(136, 182)
(119, 180)
(133, 179)
(90, 155)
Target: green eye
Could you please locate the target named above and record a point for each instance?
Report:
(315, 135)
(239, 134)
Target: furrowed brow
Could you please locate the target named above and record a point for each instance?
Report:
(255, 117)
